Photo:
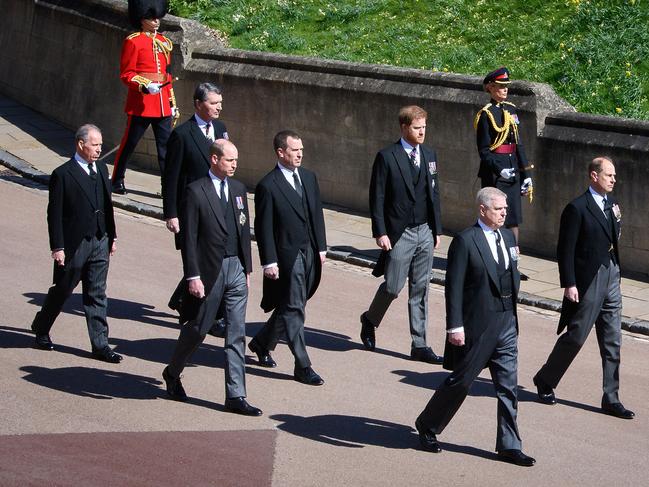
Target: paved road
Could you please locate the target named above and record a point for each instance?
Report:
(70, 420)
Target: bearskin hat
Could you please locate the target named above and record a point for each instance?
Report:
(146, 9)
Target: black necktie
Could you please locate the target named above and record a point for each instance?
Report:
(224, 201)
(91, 171)
(298, 186)
(608, 211)
(607, 208)
(499, 252)
(207, 131)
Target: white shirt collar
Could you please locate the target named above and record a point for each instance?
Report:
(485, 228)
(217, 183)
(201, 123)
(82, 162)
(288, 173)
(599, 199)
(408, 147)
(491, 240)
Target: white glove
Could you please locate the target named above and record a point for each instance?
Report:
(508, 173)
(527, 184)
(153, 88)
(175, 113)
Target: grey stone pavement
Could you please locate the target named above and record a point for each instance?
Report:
(34, 145)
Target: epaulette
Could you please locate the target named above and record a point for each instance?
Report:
(502, 131)
(133, 35)
(477, 115)
(509, 103)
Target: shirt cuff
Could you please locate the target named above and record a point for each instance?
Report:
(457, 329)
(193, 278)
(268, 266)
(323, 253)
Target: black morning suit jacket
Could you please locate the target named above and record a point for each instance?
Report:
(392, 194)
(280, 223)
(472, 290)
(72, 206)
(585, 237)
(205, 236)
(188, 159)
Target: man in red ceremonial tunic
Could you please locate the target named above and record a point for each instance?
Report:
(144, 69)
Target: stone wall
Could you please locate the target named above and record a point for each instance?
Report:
(66, 64)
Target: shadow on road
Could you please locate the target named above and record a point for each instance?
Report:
(24, 338)
(119, 309)
(358, 432)
(94, 383)
(480, 387)
(348, 431)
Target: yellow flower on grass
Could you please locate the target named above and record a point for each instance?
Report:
(618, 110)
(628, 74)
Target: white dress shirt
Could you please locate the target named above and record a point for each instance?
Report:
(201, 125)
(490, 235)
(599, 199)
(408, 148)
(83, 163)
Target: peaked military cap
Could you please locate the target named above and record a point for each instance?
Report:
(146, 9)
(500, 76)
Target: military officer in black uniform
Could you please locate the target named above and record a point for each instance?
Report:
(502, 158)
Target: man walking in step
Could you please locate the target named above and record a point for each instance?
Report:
(290, 232)
(589, 271)
(217, 262)
(482, 282)
(407, 226)
(188, 159)
(82, 233)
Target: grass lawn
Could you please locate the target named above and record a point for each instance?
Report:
(594, 53)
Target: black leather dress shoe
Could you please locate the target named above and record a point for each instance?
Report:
(516, 457)
(544, 391)
(427, 438)
(307, 376)
(44, 342)
(218, 328)
(175, 388)
(616, 409)
(107, 355)
(426, 354)
(263, 355)
(119, 188)
(368, 336)
(524, 277)
(239, 405)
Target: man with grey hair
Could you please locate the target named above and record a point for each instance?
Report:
(188, 159)
(482, 281)
(589, 272)
(82, 234)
